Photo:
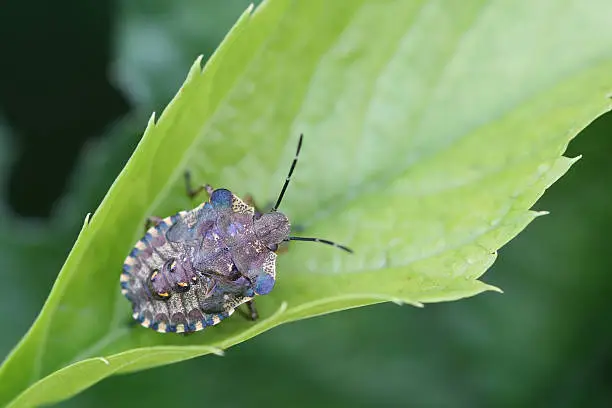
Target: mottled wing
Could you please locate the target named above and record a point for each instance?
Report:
(189, 226)
(233, 222)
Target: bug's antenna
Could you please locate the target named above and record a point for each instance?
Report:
(323, 241)
(282, 193)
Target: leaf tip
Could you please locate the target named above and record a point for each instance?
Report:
(494, 289)
(197, 65)
(402, 302)
(575, 159)
(87, 220)
(151, 122)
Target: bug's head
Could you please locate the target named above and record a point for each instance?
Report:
(272, 228)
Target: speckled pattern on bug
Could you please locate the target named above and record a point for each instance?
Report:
(193, 269)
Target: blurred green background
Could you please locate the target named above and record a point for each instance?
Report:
(78, 80)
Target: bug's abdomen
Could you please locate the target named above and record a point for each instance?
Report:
(167, 293)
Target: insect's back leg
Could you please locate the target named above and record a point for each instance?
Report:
(192, 192)
(131, 323)
(151, 221)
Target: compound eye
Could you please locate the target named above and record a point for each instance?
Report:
(172, 266)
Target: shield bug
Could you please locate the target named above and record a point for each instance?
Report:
(193, 269)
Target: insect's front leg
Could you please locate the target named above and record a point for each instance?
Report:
(283, 247)
(248, 199)
(192, 192)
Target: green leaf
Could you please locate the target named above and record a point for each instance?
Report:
(431, 128)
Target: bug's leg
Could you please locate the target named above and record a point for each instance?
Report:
(252, 313)
(282, 248)
(297, 228)
(251, 201)
(152, 221)
(132, 323)
(225, 286)
(252, 310)
(192, 192)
